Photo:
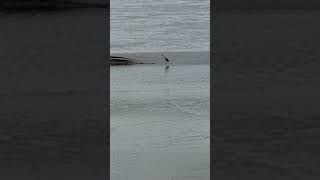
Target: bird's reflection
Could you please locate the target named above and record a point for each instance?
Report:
(166, 70)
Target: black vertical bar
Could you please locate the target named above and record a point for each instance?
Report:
(54, 91)
(212, 77)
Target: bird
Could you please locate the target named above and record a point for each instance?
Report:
(165, 58)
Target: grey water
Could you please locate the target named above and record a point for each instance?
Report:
(159, 26)
(160, 122)
(160, 114)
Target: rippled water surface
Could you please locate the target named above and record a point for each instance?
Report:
(153, 26)
(160, 122)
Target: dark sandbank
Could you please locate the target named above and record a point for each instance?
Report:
(182, 58)
(118, 60)
(41, 6)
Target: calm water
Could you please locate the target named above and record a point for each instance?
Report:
(153, 26)
(160, 116)
(160, 122)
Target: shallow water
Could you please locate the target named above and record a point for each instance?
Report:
(153, 26)
(160, 122)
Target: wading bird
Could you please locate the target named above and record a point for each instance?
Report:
(165, 58)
